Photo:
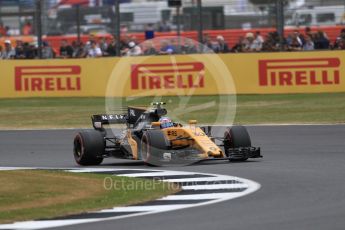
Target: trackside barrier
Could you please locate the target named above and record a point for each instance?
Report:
(207, 74)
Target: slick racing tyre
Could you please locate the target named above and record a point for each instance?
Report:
(153, 146)
(89, 147)
(236, 137)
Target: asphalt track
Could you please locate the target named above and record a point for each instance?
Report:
(302, 177)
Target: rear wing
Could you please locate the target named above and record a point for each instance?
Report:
(106, 119)
(133, 114)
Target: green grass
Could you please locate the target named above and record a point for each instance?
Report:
(250, 109)
(37, 194)
(293, 108)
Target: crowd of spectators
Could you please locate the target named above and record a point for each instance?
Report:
(129, 46)
(295, 41)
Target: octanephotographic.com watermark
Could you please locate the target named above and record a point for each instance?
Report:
(122, 184)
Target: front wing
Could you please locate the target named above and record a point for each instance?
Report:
(193, 155)
(244, 153)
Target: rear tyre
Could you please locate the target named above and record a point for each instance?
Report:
(236, 137)
(88, 147)
(153, 145)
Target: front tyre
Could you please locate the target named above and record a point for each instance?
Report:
(88, 147)
(153, 146)
(236, 137)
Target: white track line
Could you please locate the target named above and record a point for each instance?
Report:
(159, 174)
(44, 224)
(88, 170)
(214, 186)
(147, 208)
(210, 195)
(218, 178)
(13, 168)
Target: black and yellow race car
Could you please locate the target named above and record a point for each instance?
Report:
(151, 137)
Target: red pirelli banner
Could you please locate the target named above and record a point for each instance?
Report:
(157, 76)
(207, 74)
(303, 71)
(47, 78)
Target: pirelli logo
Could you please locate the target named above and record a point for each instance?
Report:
(47, 78)
(307, 71)
(168, 76)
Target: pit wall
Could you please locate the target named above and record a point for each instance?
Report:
(206, 74)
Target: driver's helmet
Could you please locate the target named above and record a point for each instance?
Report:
(166, 122)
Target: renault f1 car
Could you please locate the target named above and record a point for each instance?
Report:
(145, 139)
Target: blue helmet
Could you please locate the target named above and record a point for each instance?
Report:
(166, 122)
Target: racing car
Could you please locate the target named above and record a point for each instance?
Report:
(152, 137)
